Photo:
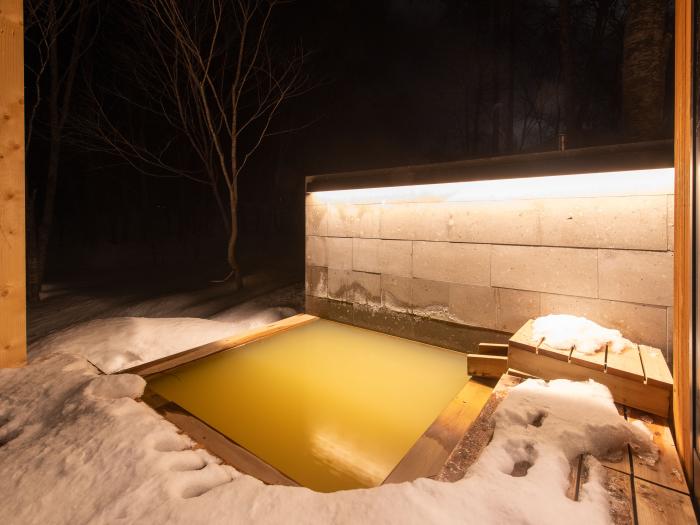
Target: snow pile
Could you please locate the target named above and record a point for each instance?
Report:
(122, 342)
(565, 331)
(76, 448)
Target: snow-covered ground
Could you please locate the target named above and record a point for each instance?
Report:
(77, 447)
(66, 304)
(117, 343)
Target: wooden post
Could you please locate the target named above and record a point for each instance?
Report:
(683, 236)
(13, 311)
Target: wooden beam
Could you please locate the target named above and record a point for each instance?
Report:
(683, 234)
(487, 365)
(13, 311)
(229, 452)
(427, 455)
(493, 349)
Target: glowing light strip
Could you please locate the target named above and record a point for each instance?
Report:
(608, 184)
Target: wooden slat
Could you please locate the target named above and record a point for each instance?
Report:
(427, 456)
(493, 349)
(222, 447)
(619, 488)
(523, 338)
(574, 471)
(667, 471)
(625, 364)
(595, 361)
(518, 373)
(486, 365)
(171, 361)
(658, 505)
(655, 367)
(684, 144)
(549, 351)
(13, 311)
(631, 393)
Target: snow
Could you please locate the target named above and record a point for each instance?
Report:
(566, 331)
(76, 447)
(119, 343)
(67, 304)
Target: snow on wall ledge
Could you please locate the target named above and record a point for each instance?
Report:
(492, 254)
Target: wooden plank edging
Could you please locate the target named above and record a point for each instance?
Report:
(192, 354)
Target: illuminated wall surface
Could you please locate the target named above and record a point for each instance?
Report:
(488, 255)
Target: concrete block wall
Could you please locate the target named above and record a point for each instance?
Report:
(493, 264)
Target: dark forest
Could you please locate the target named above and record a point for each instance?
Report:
(131, 173)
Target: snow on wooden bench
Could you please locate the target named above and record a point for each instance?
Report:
(637, 377)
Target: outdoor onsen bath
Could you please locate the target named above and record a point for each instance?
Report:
(323, 402)
(414, 292)
(393, 262)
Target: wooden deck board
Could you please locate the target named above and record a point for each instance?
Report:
(619, 488)
(667, 471)
(657, 505)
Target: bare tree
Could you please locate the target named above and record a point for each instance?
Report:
(209, 74)
(58, 33)
(644, 68)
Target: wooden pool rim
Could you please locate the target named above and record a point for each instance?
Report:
(425, 459)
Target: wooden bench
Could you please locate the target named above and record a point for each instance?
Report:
(637, 377)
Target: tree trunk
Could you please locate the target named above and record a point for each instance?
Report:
(509, 125)
(233, 237)
(37, 259)
(59, 106)
(601, 21)
(566, 60)
(644, 69)
(495, 78)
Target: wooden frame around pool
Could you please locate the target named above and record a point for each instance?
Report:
(425, 458)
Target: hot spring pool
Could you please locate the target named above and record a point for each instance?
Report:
(331, 406)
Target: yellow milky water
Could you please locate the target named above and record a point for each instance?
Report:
(330, 405)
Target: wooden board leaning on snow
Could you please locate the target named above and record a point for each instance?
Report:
(637, 377)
